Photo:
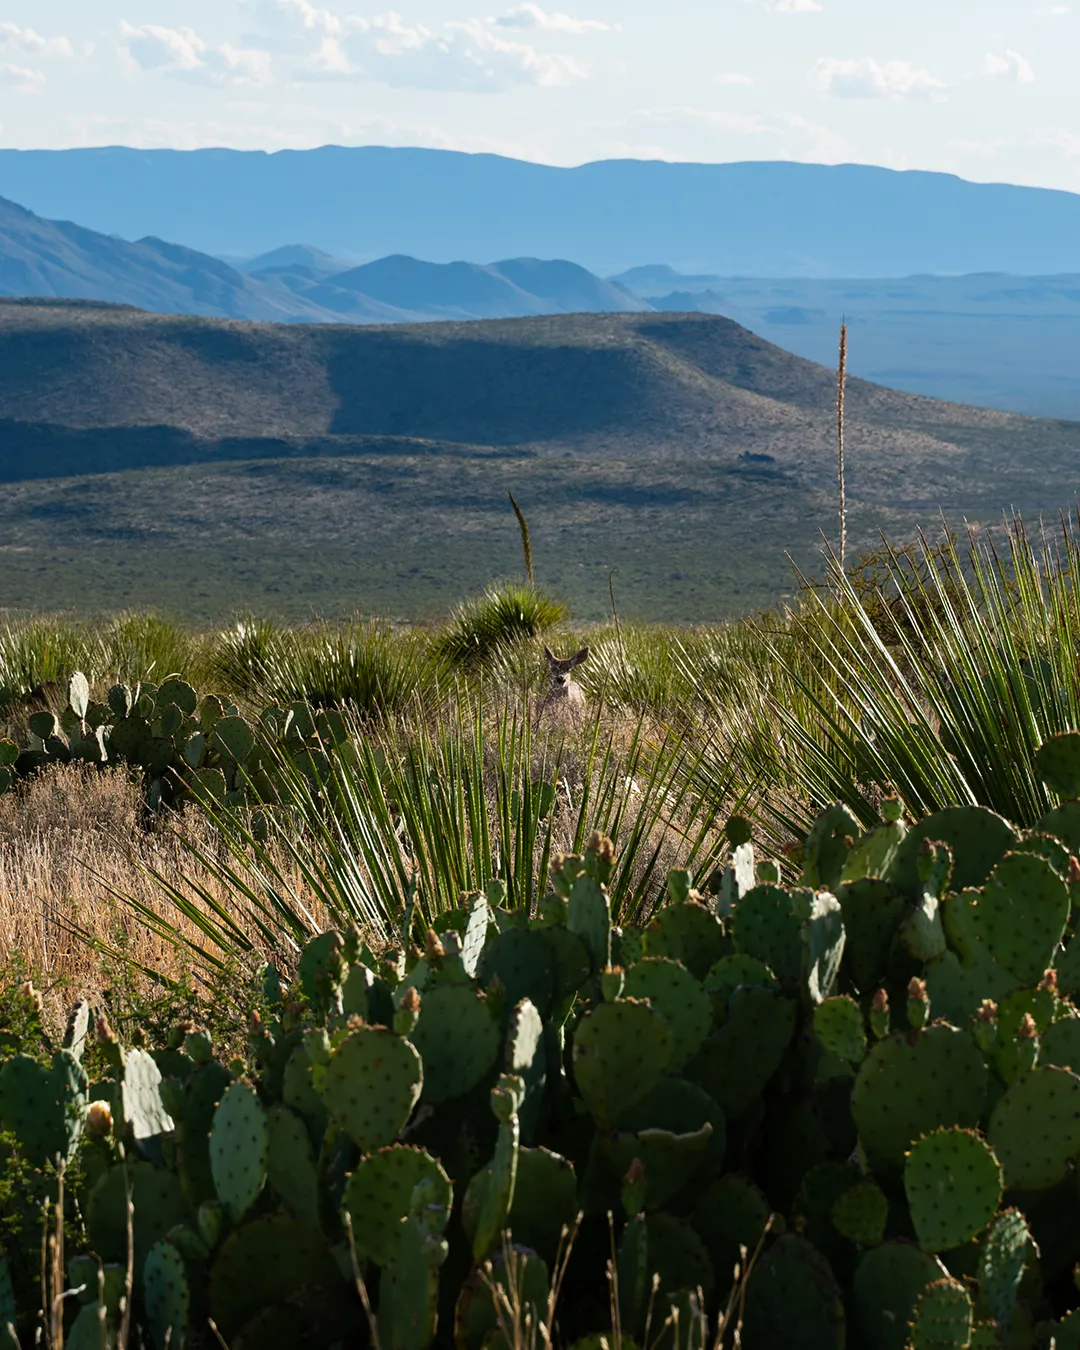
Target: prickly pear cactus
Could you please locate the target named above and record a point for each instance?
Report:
(1035, 1128)
(378, 1197)
(167, 1295)
(457, 1039)
(370, 1086)
(239, 1149)
(861, 1213)
(944, 1317)
(1001, 1264)
(680, 999)
(953, 1185)
(620, 1051)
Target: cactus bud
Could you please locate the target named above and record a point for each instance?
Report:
(99, 1120)
(31, 996)
(408, 1013)
(1027, 1044)
(433, 947)
(918, 1004)
(1027, 1030)
(879, 1014)
(1048, 984)
(892, 810)
(611, 983)
(633, 1188)
(104, 1031)
(1074, 869)
(984, 1026)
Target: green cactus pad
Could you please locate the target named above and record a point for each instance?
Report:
(872, 855)
(723, 978)
(823, 941)
(860, 1214)
(290, 1163)
(371, 1085)
(792, 1299)
(872, 911)
(730, 1213)
(1067, 965)
(476, 1319)
(977, 839)
(379, 1196)
(812, 1209)
(202, 1092)
(571, 957)
(545, 1201)
(953, 1186)
(620, 1051)
(233, 738)
(44, 1107)
(911, 1084)
(1066, 1332)
(524, 960)
(764, 925)
(159, 1203)
(680, 1107)
(265, 1262)
(322, 967)
(838, 1025)
(1021, 915)
(827, 846)
(527, 1056)
(1057, 763)
(589, 916)
(677, 1255)
(1063, 823)
(943, 1317)
(670, 1160)
(166, 1295)
(1001, 1264)
(887, 1285)
(678, 998)
(1059, 1044)
(687, 933)
(239, 1149)
(1035, 1128)
(143, 1108)
(409, 1291)
(490, 1193)
(735, 1063)
(458, 1040)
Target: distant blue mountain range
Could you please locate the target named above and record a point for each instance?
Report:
(766, 220)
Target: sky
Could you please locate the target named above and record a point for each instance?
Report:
(983, 88)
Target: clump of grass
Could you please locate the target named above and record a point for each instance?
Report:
(146, 646)
(241, 656)
(38, 656)
(506, 614)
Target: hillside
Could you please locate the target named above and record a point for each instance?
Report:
(997, 340)
(332, 466)
(770, 219)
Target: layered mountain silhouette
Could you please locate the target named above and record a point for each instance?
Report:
(764, 219)
(59, 260)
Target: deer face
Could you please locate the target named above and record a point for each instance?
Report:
(562, 685)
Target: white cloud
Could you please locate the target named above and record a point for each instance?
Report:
(870, 79)
(732, 77)
(1010, 64)
(16, 39)
(1053, 11)
(794, 6)
(472, 55)
(22, 79)
(180, 51)
(530, 16)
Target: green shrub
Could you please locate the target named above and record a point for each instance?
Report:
(506, 615)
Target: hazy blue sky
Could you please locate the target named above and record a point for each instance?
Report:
(984, 88)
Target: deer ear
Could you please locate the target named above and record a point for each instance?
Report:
(580, 658)
(548, 654)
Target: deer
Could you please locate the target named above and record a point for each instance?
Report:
(565, 692)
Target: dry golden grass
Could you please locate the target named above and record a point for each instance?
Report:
(72, 841)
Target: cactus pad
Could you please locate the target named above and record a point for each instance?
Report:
(677, 1255)
(239, 1149)
(166, 1295)
(792, 1299)
(159, 1203)
(44, 1107)
(1059, 1044)
(545, 1201)
(977, 839)
(266, 1262)
(379, 1196)
(872, 911)
(589, 916)
(953, 1186)
(943, 1317)
(670, 1160)
(202, 1092)
(764, 925)
(727, 974)
(730, 1213)
(687, 933)
(838, 1025)
(823, 941)
(371, 1085)
(886, 1288)
(1035, 1128)
(525, 962)
(620, 1051)
(1001, 1264)
(735, 1063)
(527, 1056)
(458, 1040)
(1057, 763)
(860, 1214)
(291, 1163)
(678, 998)
(911, 1084)
(1021, 915)
(233, 738)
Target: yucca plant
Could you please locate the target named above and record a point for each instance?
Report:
(41, 654)
(406, 821)
(147, 646)
(940, 688)
(506, 614)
